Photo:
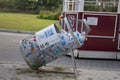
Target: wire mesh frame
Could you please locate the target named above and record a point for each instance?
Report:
(80, 23)
(36, 59)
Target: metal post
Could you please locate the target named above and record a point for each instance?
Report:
(74, 64)
(78, 45)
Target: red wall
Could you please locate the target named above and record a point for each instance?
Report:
(103, 36)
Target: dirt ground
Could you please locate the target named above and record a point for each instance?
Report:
(23, 72)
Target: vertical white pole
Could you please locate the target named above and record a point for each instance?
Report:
(73, 2)
(65, 5)
(79, 5)
(118, 7)
(82, 5)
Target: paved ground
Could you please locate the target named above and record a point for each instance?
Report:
(89, 69)
(9, 47)
(87, 63)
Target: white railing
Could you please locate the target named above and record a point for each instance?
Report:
(73, 5)
(78, 5)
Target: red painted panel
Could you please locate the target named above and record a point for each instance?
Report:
(73, 20)
(106, 24)
(104, 35)
(100, 44)
(79, 23)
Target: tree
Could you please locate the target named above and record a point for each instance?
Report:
(50, 4)
(26, 4)
(37, 5)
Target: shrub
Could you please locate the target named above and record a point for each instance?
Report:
(52, 15)
(6, 5)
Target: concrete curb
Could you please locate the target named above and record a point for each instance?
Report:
(17, 31)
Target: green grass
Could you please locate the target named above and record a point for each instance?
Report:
(23, 22)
